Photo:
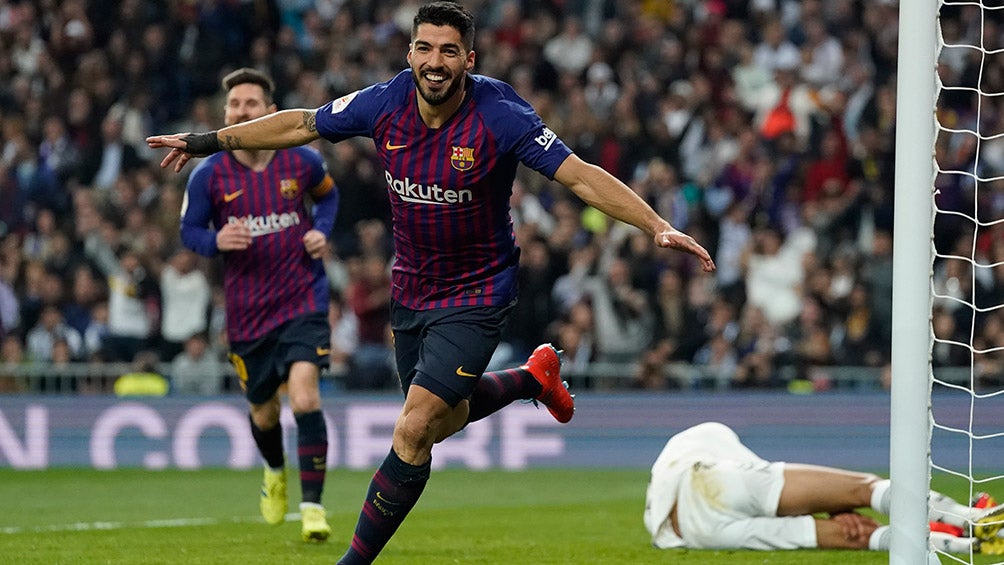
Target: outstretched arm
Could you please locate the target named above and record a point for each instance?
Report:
(604, 192)
(288, 128)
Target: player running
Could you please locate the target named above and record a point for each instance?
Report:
(249, 205)
(449, 142)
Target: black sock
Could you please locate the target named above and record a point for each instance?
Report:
(498, 389)
(393, 492)
(269, 444)
(312, 451)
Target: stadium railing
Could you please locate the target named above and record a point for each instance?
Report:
(99, 378)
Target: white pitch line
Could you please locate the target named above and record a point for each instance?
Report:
(148, 524)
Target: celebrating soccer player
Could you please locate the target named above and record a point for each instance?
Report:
(276, 289)
(449, 142)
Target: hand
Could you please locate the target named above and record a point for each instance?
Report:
(178, 155)
(676, 239)
(855, 526)
(233, 237)
(315, 243)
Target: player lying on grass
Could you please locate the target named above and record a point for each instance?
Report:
(709, 491)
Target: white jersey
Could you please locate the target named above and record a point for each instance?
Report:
(725, 496)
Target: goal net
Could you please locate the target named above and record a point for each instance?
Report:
(966, 402)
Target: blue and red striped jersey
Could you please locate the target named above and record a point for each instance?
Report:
(273, 280)
(449, 187)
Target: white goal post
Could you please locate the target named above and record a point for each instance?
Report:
(910, 424)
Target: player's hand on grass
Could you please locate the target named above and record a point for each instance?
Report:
(676, 239)
(855, 526)
(314, 242)
(233, 237)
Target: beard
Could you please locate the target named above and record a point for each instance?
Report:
(435, 98)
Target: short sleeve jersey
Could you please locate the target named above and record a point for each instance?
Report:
(449, 187)
(274, 280)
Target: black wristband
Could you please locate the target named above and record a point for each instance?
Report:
(202, 144)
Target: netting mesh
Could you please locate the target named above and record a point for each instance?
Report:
(967, 284)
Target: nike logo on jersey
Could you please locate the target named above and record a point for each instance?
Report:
(390, 147)
(322, 351)
(230, 197)
(460, 371)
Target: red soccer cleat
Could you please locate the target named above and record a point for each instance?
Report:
(983, 500)
(545, 366)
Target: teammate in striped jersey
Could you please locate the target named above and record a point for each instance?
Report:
(450, 142)
(250, 206)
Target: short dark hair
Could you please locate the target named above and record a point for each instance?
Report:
(447, 14)
(248, 75)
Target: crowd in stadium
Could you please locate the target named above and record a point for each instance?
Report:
(764, 128)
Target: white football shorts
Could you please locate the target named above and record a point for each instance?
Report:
(730, 501)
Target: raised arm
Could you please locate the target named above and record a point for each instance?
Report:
(288, 128)
(603, 191)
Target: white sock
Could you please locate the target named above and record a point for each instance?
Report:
(945, 509)
(879, 540)
(880, 496)
(951, 544)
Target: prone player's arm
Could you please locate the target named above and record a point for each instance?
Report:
(280, 130)
(606, 193)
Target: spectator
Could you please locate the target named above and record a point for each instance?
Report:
(571, 50)
(775, 271)
(775, 51)
(109, 160)
(623, 315)
(185, 297)
(12, 358)
(10, 310)
(50, 328)
(132, 301)
(368, 296)
(344, 336)
(95, 335)
(196, 369)
(575, 335)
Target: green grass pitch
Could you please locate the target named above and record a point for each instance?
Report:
(581, 517)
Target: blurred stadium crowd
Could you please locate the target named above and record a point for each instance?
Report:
(764, 128)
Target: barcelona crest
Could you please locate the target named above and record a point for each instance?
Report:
(462, 158)
(289, 188)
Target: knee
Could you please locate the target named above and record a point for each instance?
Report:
(304, 401)
(266, 416)
(415, 430)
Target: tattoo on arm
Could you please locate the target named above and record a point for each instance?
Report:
(231, 142)
(310, 121)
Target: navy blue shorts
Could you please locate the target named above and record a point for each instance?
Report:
(445, 350)
(263, 364)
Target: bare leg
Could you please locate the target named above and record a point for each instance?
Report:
(810, 489)
(304, 392)
(425, 420)
(311, 441)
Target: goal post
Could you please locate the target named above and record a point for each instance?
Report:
(910, 425)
